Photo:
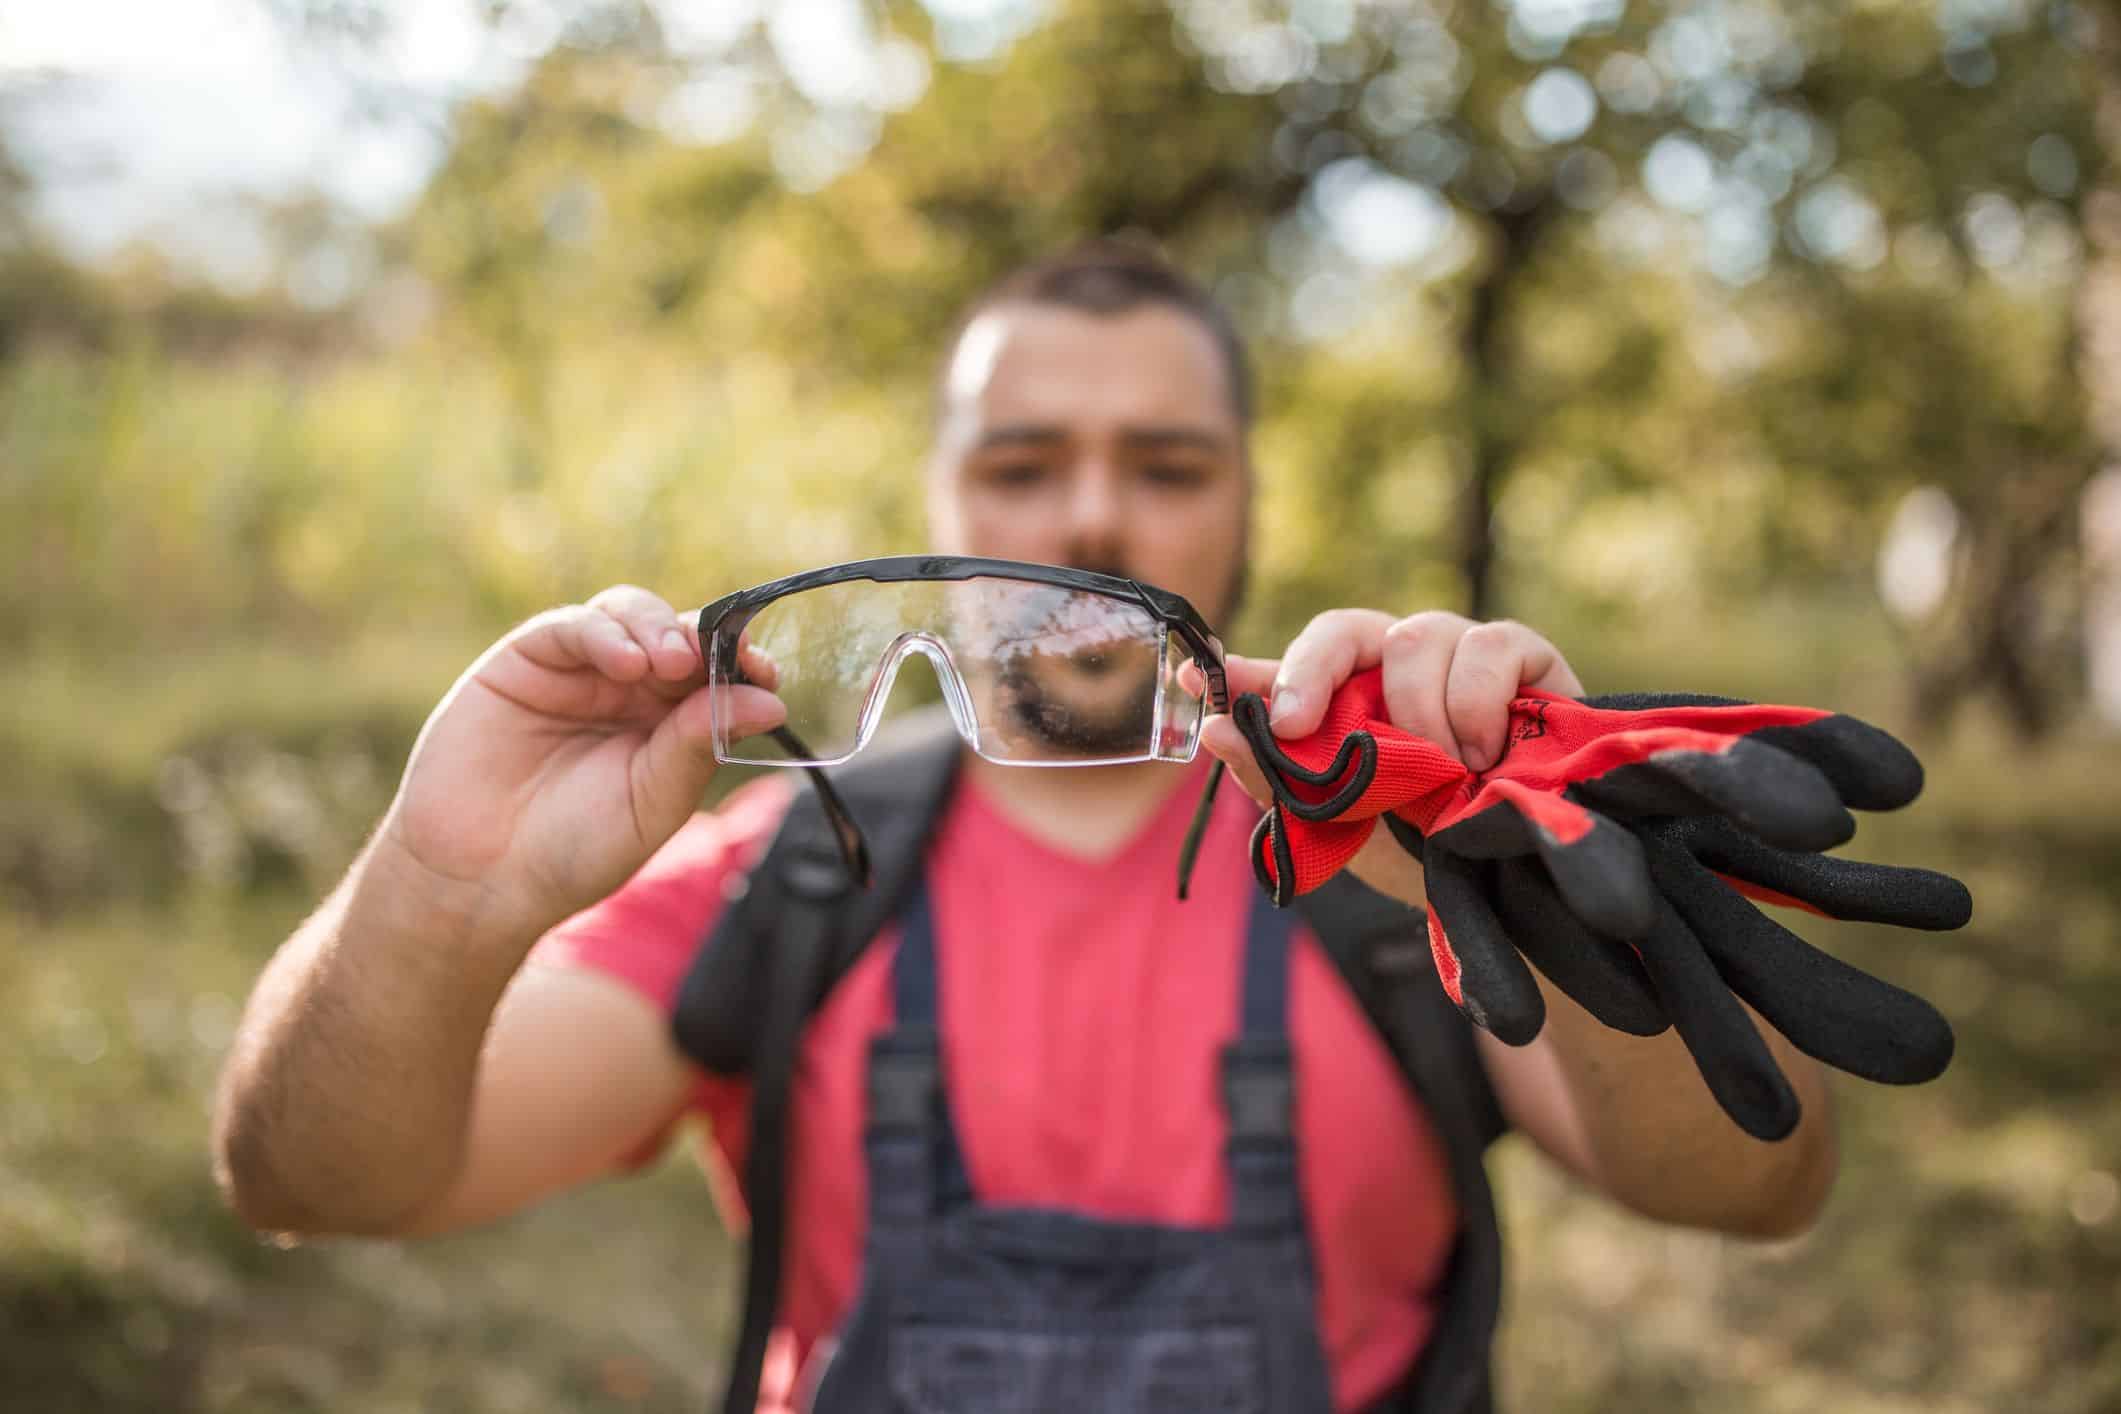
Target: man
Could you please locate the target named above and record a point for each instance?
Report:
(401, 1070)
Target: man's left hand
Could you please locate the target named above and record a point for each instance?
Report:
(1446, 678)
(1628, 1114)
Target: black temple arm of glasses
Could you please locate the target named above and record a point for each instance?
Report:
(1189, 851)
(854, 850)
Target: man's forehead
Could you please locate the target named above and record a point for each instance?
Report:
(1052, 365)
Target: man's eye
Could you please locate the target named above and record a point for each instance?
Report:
(1016, 475)
(1173, 475)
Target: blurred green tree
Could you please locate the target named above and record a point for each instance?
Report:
(1584, 299)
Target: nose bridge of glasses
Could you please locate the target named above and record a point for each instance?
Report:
(916, 643)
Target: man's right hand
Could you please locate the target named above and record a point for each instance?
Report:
(565, 757)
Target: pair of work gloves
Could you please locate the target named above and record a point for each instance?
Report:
(1616, 845)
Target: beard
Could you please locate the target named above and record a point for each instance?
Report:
(1125, 724)
(1053, 716)
(1048, 714)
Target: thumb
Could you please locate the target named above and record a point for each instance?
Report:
(1227, 744)
(673, 770)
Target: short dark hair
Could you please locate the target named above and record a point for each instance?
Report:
(1112, 276)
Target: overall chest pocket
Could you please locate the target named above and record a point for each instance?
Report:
(977, 1370)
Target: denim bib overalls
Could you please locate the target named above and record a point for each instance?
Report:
(993, 1310)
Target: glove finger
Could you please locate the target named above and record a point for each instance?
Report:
(1493, 987)
(1727, 1049)
(1829, 1010)
(1872, 769)
(1595, 863)
(1782, 799)
(1602, 975)
(1838, 888)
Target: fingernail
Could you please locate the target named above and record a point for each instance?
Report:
(676, 642)
(1283, 707)
(753, 710)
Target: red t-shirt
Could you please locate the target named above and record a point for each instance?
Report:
(1083, 1009)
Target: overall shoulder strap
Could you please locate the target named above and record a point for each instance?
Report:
(1380, 948)
(896, 789)
(799, 923)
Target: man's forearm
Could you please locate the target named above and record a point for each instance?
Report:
(343, 1105)
(1635, 1116)
(1660, 1144)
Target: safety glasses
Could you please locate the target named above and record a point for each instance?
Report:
(1039, 665)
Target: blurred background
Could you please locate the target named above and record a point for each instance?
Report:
(1763, 348)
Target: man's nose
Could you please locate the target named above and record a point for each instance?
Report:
(1096, 517)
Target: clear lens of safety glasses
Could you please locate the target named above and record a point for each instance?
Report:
(1033, 674)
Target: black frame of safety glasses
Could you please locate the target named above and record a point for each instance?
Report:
(735, 611)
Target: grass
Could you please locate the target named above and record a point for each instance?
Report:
(169, 818)
(124, 1285)
(1972, 1250)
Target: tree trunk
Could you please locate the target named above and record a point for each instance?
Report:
(1497, 425)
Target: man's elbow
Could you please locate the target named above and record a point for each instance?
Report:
(1795, 1186)
(257, 1190)
(271, 1210)
(1765, 1191)
(249, 1187)
(250, 1182)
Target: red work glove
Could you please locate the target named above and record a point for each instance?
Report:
(1631, 909)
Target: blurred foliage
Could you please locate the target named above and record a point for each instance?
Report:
(1632, 319)
(1634, 309)
(1595, 248)
(125, 1285)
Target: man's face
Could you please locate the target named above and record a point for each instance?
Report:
(1105, 442)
